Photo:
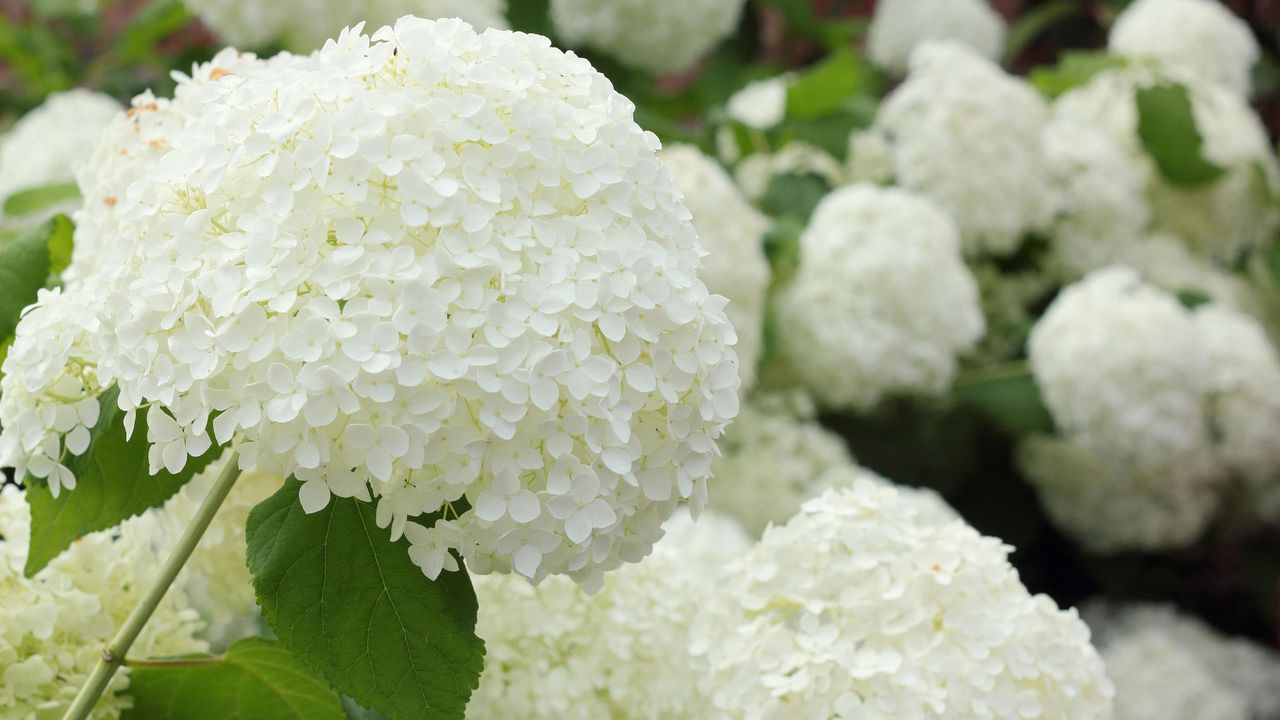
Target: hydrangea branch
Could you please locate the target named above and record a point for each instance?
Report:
(113, 654)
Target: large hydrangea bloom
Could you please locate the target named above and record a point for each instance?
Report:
(968, 136)
(871, 604)
(419, 267)
(554, 653)
(1124, 372)
(305, 25)
(731, 233)
(898, 27)
(881, 303)
(1201, 40)
(1219, 219)
(44, 147)
(53, 626)
(660, 36)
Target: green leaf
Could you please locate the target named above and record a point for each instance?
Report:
(1035, 21)
(1007, 396)
(1074, 68)
(793, 196)
(25, 265)
(40, 198)
(156, 20)
(256, 680)
(799, 13)
(349, 603)
(531, 16)
(826, 87)
(1168, 131)
(113, 483)
(1192, 299)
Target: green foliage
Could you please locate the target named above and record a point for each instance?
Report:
(794, 196)
(39, 198)
(113, 483)
(349, 603)
(826, 87)
(1007, 396)
(1074, 68)
(25, 265)
(256, 680)
(157, 20)
(531, 16)
(1167, 127)
(1036, 21)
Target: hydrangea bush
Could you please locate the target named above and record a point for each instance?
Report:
(735, 359)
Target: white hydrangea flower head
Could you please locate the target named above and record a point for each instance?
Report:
(898, 27)
(658, 36)
(554, 652)
(1122, 369)
(53, 626)
(1201, 40)
(1245, 381)
(1239, 676)
(462, 273)
(775, 456)
(1220, 219)
(45, 145)
(216, 578)
(304, 26)
(760, 105)
(870, 158)
(754, 173)
(867, 604)
(968, 136)
(731, 233)
(882, 302)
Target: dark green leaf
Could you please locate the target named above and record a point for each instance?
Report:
(148, 27)
(113, 483)
(1192, 299)
(40, 198)
(799, 13)
(349, 603)
(256, 680)
(794, 196)
(1007, 396)
(1075, 68)
(1168, 131)
(826, 87)
(531, 16)
(25, 265)
(1035, 21)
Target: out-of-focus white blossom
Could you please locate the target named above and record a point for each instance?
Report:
(1245, 387)
(870, 158)
(53, 626)
(1170, 666)
(776, 456)
(898, 27)
(659, 36)
(754, 173)
(1200, 40)
(731, 233)
(416, 267)
(881, 303)
(305, 25)
(869, 605)
(1124, 373)
(1220, 219)
(45, 146)
(552, 652)
(760, 105)
(968, 136)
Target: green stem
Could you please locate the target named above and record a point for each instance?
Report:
(113, 654)
(174, 662)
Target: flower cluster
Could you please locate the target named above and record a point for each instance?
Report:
(1199, 40)
(776, 456)
(881, 303)
(401, 270)
(1147, 646)
(731, 233)
(53, 626)
(44, 147)
(900, 26)
(554, 652)
(305, 26)
(870, 603)
(659, 36)
(957, 112)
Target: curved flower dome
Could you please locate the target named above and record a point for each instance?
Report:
(420, 267)
(660, 36)
(1201, 40)
(900, 26)
(871, 603)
